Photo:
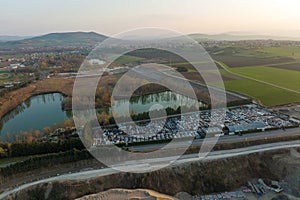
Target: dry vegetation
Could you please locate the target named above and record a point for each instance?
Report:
(64, 86)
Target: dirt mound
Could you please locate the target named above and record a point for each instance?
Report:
(124, 194)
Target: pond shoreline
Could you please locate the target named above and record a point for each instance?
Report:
(37, 112)
(34, 95)
(19, 96)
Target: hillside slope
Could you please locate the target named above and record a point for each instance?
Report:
(58, 39)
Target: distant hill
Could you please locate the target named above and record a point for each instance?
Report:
(58, 39)
(83, 39)
(7, 38)
(233, 37)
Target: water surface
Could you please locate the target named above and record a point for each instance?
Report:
(34, 114)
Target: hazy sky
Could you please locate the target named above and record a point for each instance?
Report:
(35, 17)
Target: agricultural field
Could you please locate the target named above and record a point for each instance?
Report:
(126, 59)
(290, 66)
(289, 79)
(286, 51)
(265, 94)
(241, 57)
(271, 75)
(270, 86)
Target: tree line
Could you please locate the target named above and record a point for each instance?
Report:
(47, 160)
(18, 149)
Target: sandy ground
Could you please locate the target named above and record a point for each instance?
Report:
(143, 194)
(139, 194)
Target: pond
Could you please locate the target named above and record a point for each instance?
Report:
(45, 110)
(34, 114)
(146, 103)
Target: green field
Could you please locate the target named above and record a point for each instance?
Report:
(265, 93)
(126, 59)
(282, 77)
(288, 51)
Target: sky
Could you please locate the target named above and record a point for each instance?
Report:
(37, 17)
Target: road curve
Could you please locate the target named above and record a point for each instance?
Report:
(151, 162)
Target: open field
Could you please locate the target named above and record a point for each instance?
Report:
(126, 59)
(265, 84)
(239, 61)
(267, 95)
(240, 57)
(291, 66)
(282, 77)
(271, 75)
(288, 51)
(64, 86)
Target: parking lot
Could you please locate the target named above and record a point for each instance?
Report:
(234, 120)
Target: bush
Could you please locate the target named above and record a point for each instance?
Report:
(47, 160)
(37, 148)
(182, 69)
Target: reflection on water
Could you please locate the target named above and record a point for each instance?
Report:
(34, 114)
(144, 103)
(45, 110)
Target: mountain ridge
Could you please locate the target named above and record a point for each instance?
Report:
(83, 39)
(58, 39)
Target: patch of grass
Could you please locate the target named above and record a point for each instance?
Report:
(227, 75)
(4, 161)
(4, 75)
(125, 59)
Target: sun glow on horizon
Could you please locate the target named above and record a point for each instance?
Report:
(33, 17)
